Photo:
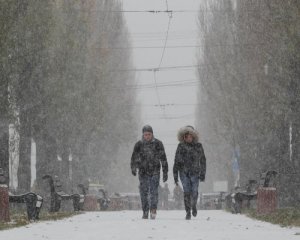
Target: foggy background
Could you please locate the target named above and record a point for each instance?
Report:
(170, 105)
(79, 79)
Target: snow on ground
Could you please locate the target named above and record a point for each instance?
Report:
(209, 225)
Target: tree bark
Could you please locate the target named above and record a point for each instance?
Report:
(4, 151)
(24, 171)
(79, 170)
(46, 158)
(65, 167)
(4, 130)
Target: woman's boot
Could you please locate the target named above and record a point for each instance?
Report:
(194, 204)
(153, 213)
(187, 204)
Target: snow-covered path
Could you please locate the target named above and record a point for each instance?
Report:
(209, 225)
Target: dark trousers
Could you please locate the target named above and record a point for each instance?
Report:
(149, 191)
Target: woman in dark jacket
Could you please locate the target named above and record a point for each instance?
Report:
(190, 163)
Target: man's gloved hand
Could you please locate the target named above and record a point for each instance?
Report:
(133, 171)
(165, 176)
(202, 177)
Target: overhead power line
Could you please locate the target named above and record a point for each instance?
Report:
(166, 68)
(191, 80)
(165, 105)
(166, 39)
(155, 69)
(162, 56)
(153, 11)
(183, 46)
(159, 39)
(152, 69)
(159, 47)
(166, 11)
(174, 33)
(188, 83)
(169, 117)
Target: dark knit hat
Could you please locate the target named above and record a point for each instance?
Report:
(147, 128)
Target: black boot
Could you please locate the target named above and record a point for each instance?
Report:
(188, 216)
(194, 211)
(194, 205)
(187, 204)
(145, 214)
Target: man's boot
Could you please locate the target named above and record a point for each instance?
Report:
(145, 214)
(153, 213)
(194, 211)
(194, 204)
(187, 204)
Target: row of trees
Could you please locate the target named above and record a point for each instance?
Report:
(63, 87)
(250, 91)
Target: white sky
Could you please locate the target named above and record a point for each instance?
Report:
(148, 29)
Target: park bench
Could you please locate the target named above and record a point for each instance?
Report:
(240, 198)
(118, 202)
(104, 200)
(32, 201)
(95, 197)
(57, 195)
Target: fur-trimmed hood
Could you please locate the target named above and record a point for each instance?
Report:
(187, 129)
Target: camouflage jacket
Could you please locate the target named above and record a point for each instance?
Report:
(148, 157)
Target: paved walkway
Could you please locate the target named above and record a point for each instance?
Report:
(128, 225)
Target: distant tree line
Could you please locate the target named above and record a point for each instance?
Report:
(63, 86)
(249, 95)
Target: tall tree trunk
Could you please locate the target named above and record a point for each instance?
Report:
(24, 171)
(4, 151)
(79, 169)
(295, 175)
(65, 167)
(46, 158)
(284, 163)
(295, 160)
(4, 130)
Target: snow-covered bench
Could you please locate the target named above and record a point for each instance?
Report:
(94, 198)
(57, 195)
(32, 201)
(239, 196)
(104, 200)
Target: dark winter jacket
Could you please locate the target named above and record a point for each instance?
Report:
(190, 157)
(148, 157)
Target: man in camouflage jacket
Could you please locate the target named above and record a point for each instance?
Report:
(148, 157)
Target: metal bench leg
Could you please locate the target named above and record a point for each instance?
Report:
(38, 206)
